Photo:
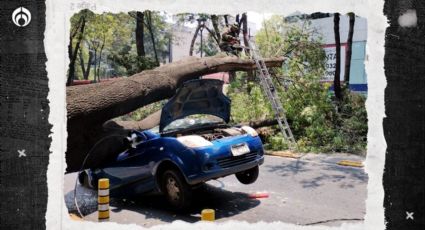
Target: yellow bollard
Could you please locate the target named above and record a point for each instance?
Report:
(103, 199)
(208, 215)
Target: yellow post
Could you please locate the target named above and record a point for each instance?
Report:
(103, 199)
(208, 215)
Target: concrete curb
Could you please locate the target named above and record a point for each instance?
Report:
(350, 163)
(289, 154)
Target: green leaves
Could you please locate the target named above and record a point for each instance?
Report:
(111, 39)
(130, 61)
(313, 118)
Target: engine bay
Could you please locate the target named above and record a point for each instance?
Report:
(209, 134)
(221, 133)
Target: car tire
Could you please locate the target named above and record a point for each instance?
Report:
(248, 176)
(175, 188)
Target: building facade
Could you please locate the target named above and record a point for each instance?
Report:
(323, 23)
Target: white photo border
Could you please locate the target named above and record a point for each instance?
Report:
(58, 15)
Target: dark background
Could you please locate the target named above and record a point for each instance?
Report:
(404, 125)
(24, 118)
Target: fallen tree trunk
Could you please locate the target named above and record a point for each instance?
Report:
(147, 123)
(90, 106)
(261, 123)
(153, 120)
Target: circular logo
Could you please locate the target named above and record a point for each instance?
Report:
(21, 17)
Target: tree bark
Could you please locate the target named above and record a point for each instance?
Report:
(84, 69)
(214, 21)
(212, 34)
(100, 58)
(192, 43)
(260, 123)
(140, 31)
(95, 64)
(349, 50)
(90, 106)
(153, 120)
(337, 83)
(72, 54)
(147, 123)
(250, 74)
(226, 20)
(151, 32)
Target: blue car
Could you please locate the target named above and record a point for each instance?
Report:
(192, 144)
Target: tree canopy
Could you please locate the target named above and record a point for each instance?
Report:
(108, 44)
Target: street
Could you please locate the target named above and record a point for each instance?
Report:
(308, 191)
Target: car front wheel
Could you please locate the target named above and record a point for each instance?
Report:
(175, 188)
(248, 176)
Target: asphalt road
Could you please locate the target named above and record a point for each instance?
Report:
(312, 190)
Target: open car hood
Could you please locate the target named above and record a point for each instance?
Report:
(203, 96)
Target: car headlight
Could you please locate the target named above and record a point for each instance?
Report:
(249, 131)
(194, 141)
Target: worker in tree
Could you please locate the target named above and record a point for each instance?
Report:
(229, 40)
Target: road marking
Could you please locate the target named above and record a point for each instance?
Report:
(310, 161)
(351, 163)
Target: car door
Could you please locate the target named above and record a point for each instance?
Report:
(131, 166)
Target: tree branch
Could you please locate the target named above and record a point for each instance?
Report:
(212, 34)
(90, 106)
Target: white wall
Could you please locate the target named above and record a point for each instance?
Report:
(181, 42)
(325, 26)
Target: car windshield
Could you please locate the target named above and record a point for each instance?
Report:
(191, 121)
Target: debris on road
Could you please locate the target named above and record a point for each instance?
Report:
(259, 195)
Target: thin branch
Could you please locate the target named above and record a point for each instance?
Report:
(212, 34)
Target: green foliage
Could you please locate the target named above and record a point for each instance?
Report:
(111, 38)
(277, 142)
(162, 35)
(209, 46)
(249, 107)
(352, 121)
(130, 61)
(313, 117)
(246, 107)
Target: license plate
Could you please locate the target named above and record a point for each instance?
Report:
(240, 149)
